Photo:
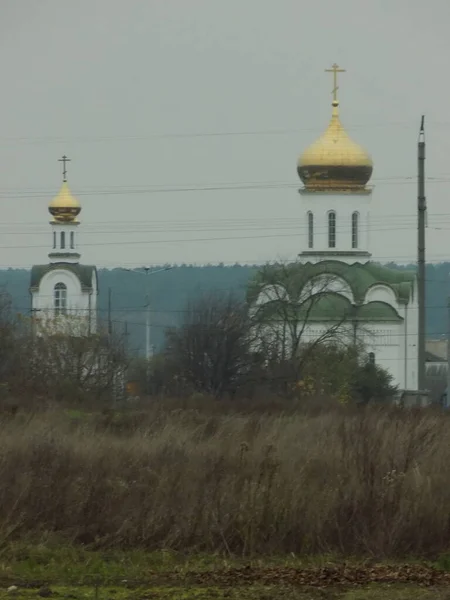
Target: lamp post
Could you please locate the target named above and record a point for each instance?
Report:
(147, 272)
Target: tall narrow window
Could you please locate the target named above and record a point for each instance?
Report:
(60, 299)
(63, 240)
(371, 358)
(331, 230)
(310, 230)
(72, 240)
(355, 224)
(54, 239)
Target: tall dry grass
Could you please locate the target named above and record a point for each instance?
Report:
(369, 482)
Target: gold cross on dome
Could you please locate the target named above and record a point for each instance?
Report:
(64, 160)
(335, 69)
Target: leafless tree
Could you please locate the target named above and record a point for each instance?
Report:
(294, 312)
(65, 366)
(211, 351)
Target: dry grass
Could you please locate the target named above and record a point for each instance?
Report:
(369, 483)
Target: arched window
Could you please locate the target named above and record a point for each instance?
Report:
(63, 240)
(60, 299)
(332, 229)
(54, 239)
(310, 230)
(72, 240)
(355, 224)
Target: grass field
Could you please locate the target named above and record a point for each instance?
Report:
(67, 572)
(88, 500)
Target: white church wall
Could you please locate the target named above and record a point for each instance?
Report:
(386, 341)
(412, 336)
(78, 316)
(93, 301)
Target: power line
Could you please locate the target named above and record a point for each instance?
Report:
(33, 195)
(210, 134)
(181, 240)
(299, 222)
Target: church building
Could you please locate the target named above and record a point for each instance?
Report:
(335, 286)
(64, 291)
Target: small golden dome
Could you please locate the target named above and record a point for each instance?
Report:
(64, 207)
(334, 161)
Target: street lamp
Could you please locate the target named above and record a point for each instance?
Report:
(148, 352)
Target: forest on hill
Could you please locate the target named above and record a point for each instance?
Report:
(172, 290)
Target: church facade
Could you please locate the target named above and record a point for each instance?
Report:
(64, 291)
(335, 290)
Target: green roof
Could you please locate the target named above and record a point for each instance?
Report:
(360, 277)
(328, 307)
(83, 272)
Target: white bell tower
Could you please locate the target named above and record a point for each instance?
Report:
(336, 199)
(64, 208)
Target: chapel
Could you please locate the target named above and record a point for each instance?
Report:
(335, 285)
(64, 291)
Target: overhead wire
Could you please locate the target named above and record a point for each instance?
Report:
(204, 134)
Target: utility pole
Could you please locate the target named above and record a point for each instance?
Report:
(125, 334)
(149, 349)
(447, 398)
(109, 313)
(422, 207)
(147, 317)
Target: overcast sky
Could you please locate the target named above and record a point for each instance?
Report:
(136, 93)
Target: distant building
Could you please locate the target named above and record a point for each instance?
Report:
(335, 281)
(64, 291)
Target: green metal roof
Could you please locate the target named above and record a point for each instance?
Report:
(83, 272)
(360, 277)
(327, 307)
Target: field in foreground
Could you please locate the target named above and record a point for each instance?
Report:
(366, 483)
(68, 572)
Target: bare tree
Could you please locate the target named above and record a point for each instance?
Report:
(9, 324)
(66, 366)
(211, 351)
(293, 311)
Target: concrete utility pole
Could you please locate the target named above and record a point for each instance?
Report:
(109, 313)
(447, 398)
(149, 348)
(422, 207)
(147, 317)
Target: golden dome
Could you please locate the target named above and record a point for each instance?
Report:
(334, 161)
(64, 207)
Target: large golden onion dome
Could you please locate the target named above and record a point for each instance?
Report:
(64, 207)
(334, 161)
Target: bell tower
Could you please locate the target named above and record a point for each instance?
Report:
(335, 172)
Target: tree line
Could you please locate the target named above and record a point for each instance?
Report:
(171, 291)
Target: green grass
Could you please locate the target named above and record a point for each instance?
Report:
(79, 573)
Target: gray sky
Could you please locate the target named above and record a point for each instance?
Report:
(124, 87)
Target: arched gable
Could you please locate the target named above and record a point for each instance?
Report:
(55, 276)
(381, 292)
(271, 293)
(327, 283)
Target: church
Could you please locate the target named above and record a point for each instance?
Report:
(334, 290)
(64, 291)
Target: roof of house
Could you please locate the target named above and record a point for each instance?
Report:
(330, 307)
(83, 272)
(360, 277)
